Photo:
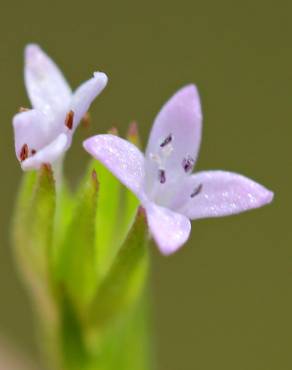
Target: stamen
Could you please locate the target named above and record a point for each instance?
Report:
(23, 153)
(188, 164)
(197, 191)
(162, 177)
(166, 141)
(33, 152)
(69, 119)
(22, 109)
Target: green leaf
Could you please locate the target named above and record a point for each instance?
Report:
(41, 215)
(74, 354)
(19, 230)
(127, 343)
(20, 234)
(32, 235)
(117, 208)
(107, 217)
(77, 267)
(63, 217)
(126, 278)
(129, 208)
(33, 227)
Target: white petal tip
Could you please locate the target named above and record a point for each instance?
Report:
(31, 50)
(93, 143)
(101, 77)
(170, 230)
(87, 144)
(167, 250)
(190, 88)
(257, 197)
(189, 91)
(267, 198)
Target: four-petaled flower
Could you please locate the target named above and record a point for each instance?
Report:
(163, 179)
(44, 133)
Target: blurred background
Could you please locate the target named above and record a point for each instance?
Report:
(224, 301)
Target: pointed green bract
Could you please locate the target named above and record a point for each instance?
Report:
(33, 228)
(74, 355)
(77, 256)
(41, 218)
(19, 231)
(32, 234)
(66, 201)
(130, 205)
(125, 280)
(107, 218)
(116, 211)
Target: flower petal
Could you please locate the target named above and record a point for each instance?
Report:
(85, 94)
(219, 193)
(31, 128)
(169, 229)
(122, 158)
(180, 120)
(46, 86)
(47, 155)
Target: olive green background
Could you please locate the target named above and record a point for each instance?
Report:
(224, 301)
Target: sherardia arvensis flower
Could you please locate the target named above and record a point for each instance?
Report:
(162, 179)
(44, 133)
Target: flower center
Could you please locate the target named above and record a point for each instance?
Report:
(165, 150)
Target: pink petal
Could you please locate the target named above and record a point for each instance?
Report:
(169, 229)
(85, 94)
(181, 118)
(47, 155)
(219, 193)
(46, 86)
(122, 158)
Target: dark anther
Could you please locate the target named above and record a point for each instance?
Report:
(188, 164)
(69, 120)
(166, 141)
(33, 152)
(197, 191)
(161, 175)
(23, 153)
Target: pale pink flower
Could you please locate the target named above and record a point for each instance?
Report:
(44, 133)
(162, 178)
